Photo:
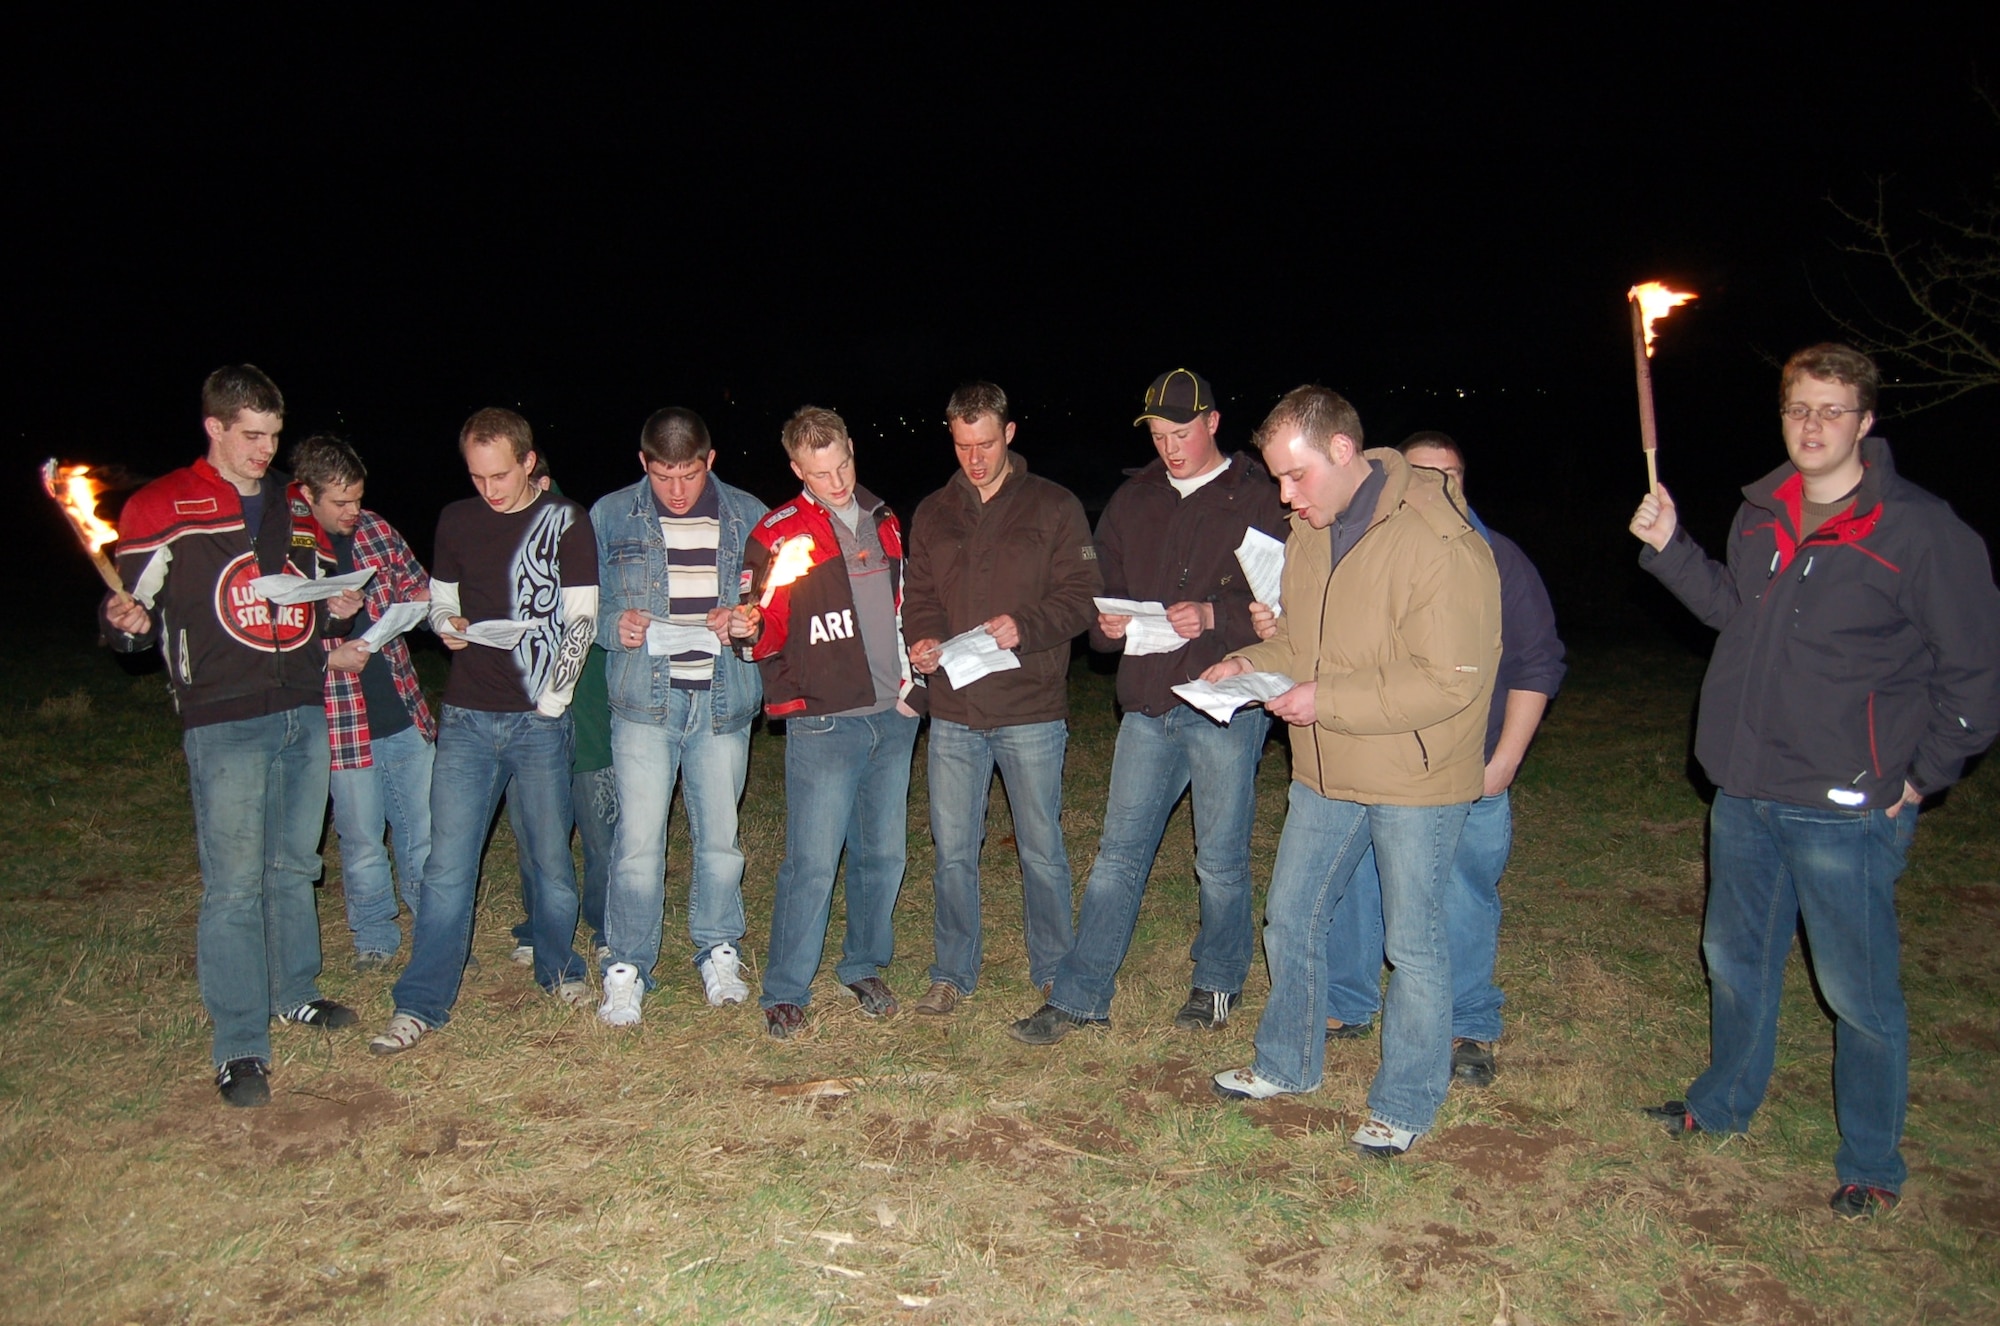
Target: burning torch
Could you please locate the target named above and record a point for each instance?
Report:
(75, 490)
(1650, 302)
(794, 559)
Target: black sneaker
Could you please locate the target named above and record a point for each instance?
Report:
(244, 1083)
(876, 998)
(1336, 1030)
(1856, 1202)
(1049, 1024)
(1472, 1062)
(1205, 1010)
(320, 1013)
(1674, 1116)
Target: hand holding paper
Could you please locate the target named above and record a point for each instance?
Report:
(1148, 631)
(395, 619)
(496, 633)
(967, 657)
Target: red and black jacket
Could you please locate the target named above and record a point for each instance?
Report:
(185, 554)
(808, 672)
(1851, 660)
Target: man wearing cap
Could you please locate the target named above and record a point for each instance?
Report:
(1004, 551)
(1169, 535)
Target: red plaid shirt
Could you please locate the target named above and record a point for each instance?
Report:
(398, 577)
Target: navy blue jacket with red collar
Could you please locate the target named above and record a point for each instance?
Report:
(1851, 660)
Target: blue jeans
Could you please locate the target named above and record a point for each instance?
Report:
(847, 784)
(1471, 927)
(1155, 760)
(1030, 759)
(1324, 840)
(394, 792)
(711, 767)
(480, 755)
(593, 799)
(1771, 864)
(259, 789)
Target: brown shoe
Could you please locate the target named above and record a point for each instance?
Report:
(941, 1000)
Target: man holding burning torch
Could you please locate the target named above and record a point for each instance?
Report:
(247, 677)
(1857, 670)
(1009, 553)
(827, 572)
(1391, 634)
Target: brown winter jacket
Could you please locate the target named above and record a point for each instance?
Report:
(1026, 554)
(1403, 638)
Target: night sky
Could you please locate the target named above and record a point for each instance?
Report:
(404, 223)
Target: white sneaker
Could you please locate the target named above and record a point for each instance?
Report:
(1244, 1084)
(574, 993)
(402, 1032)
(524, 954)
(1382, 1140)
(622, 991)
(721, 975)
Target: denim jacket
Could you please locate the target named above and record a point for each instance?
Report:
(632, 573)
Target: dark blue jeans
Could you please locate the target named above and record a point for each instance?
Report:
(480, 755)
(1772, 864)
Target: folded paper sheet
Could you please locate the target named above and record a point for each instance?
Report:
(1220, 699)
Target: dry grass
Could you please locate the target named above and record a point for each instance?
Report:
(529, 1165)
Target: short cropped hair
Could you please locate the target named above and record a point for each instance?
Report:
(974, 401)
(1315, 412)
(234, 388)
(323, 460)
(812, 429)
(1431, 437)
(1830, 362)
(674, 436)
(494, 424)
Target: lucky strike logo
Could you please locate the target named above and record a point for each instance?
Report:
(253, 620)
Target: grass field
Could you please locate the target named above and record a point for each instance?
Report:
(526, 1164)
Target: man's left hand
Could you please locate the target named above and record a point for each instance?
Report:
(1299, 706)
(718, 622)
(1190, 619)
(1911, 797)
(343, 605)
(1499, 776)
(1004, 632)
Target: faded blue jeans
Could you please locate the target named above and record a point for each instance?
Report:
(711, 766)
(480, 755)
(847, 786)
(1156, 759)
(259, 788)
(1323, 841)
(393, 792)
(1471, 926)
(1030, 759)
(593, 799)
(1771, 864)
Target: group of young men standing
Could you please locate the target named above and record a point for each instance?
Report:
(1419, 647)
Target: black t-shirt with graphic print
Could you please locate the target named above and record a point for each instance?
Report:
(513, 565)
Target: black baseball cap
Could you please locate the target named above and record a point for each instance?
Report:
(1177, 397)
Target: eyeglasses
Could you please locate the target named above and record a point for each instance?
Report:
(1826, 414)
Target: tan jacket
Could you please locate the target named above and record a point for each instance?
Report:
(1404, 641)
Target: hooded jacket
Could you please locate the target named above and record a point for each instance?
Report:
(1403, 639)
(1154, 544)
(1852, 660)
(1027, 554)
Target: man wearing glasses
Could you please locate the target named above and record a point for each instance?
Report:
(1857, 669)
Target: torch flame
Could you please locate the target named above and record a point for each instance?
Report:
(1655, 301)
(75, 491)
(793, 560)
